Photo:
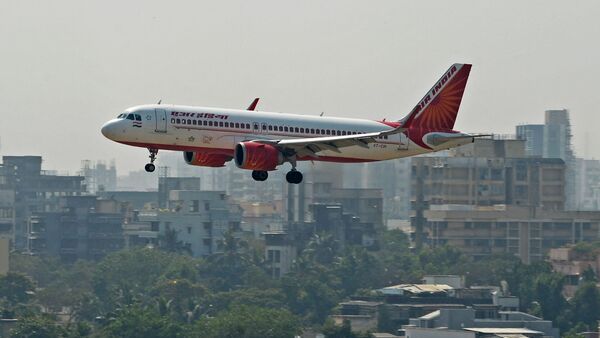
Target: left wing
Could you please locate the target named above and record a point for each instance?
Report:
(311, 146)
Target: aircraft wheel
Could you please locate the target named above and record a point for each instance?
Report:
(149, 167)
(259, 175)
(294, 177)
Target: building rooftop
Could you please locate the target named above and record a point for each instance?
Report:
(415, 289)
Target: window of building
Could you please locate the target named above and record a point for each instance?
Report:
(237, 125)
(178, 121)
(189, 230)
(285, 129)
(226, 124)
(206, 205)
(221, 124)
(302, 130)
(247, 125)
(210, 123)
(270, 127)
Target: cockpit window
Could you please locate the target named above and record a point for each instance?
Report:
(130, 117)
(138, 117)
(121, 116)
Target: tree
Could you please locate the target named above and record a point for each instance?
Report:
(137, 322)
(249, 322)
(169, 243)
(16, 288)
(228, 267)
(37, 327)
(586, 305)
(547, 289)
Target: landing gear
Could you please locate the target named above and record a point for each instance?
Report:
(150, 166)
(294, 176)
(259, 175)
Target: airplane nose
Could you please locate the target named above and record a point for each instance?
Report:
(109, 130)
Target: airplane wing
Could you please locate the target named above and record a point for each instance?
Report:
(312, 146)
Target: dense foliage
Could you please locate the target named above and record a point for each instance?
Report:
(166, 293)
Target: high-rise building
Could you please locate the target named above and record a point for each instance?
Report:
(557, 144)
(533, 134)
(99, 176)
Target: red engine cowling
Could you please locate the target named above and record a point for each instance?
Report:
(205, 159)
(257, 156)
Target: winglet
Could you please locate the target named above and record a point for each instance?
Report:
(252, 105)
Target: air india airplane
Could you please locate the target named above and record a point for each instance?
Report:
(262, 141)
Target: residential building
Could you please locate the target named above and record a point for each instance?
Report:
(463, 323)
(198, 218)
(526, 232)
(397, 304)
(572, 262)
(168, 184)
(280, 252)
(34, 190)
(485, 173)
(83, 228)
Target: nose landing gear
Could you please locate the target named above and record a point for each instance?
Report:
(150, 167)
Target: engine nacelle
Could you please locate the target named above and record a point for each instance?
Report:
(205, 159)
(257, 156)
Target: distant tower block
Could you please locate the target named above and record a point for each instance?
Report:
(164, 171)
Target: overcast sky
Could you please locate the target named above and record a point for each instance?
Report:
(68, 66)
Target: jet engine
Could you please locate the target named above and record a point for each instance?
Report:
(205, 159)
(257, 156)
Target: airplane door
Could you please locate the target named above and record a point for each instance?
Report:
(161, 120)
(403, 141)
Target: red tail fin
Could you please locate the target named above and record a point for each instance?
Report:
(439, 107)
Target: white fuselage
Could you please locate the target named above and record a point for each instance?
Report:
(215, 130)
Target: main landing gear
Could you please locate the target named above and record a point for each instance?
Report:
(294, 176)
(150, 167)
(259, 175)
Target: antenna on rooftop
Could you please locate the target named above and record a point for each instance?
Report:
(159, 101)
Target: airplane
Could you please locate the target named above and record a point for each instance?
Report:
(262, 141)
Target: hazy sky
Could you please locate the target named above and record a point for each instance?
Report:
(68, 66)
